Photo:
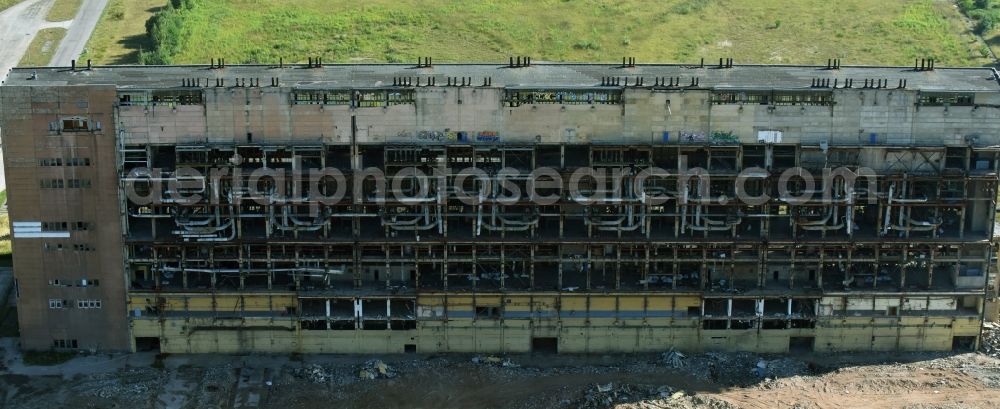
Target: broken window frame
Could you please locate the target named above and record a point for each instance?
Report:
(174, 97)
(130, 98)
(361, 98)
(322, 97)
(74, 124)
(514, 97)
(955, 99)
(772, 97)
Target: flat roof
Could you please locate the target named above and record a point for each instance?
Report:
(537, 75)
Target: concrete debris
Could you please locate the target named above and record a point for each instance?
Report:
(740, 368)
(376, 369)
(990, 344)
(132, 385)
(494, 360)
(313, 373)
(627, 396)
(603, 396)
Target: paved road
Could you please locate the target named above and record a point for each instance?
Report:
(80, 29)
(18, 26)
(20, 23)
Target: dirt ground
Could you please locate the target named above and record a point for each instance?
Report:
(668, 380)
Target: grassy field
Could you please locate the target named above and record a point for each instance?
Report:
(4, 4)
(43, 47)
(121, 32)
(761, 31)
(5, 246)
(63, 10)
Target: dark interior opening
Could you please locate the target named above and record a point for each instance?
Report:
(963, 344)
(545, 345)
(800, 344)
(146, 344)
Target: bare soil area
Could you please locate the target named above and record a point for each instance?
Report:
(668, 380)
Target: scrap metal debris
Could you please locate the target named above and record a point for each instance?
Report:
(494, 360)
(991, 339)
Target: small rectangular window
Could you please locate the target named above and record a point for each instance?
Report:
(88, 304)
(78, 183)
(82, 247)
(54, 226)
(57, 303)
(50, 183)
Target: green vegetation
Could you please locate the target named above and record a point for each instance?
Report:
(63, 10)
(42, 47)
(760, 31)
(5, 4)
(121, 33)
(5, 244)
(986, 13)
(47, 358)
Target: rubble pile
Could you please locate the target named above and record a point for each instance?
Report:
(133, 384)
(629, 396)
(376, 369)
(782, 368)
(740, 368)
(607, 395)
(313, 373)
(991, 340)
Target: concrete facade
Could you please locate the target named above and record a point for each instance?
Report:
(902, 259)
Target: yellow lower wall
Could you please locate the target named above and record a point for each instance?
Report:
(584, 324)
(201, 335)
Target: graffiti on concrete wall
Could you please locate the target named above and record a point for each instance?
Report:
(436, 136)
(688, 136)
(724, 137)
(488, 136)
(448, 135)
